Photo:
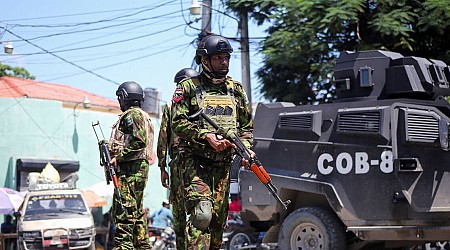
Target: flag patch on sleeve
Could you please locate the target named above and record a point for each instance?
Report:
(178, 95)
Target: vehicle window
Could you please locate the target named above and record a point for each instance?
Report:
(39, 204)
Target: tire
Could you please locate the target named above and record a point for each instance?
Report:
(238, 239)
(312, 228)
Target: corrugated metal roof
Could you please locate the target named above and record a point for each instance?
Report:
(12, 87)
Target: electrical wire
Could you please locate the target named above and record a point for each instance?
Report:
(100, 28)
(103, 44)
(89, 23)
(72, 15)
(55, 55)
(119, 63)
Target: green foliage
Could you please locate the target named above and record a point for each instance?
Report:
(19, 72)
(305, 38)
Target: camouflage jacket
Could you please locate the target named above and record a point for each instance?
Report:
(185, 104)
(167, 141)
(139, 136)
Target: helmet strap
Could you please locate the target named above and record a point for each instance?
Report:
(126, 104)
(209, 71)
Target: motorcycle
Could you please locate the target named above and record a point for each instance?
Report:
(162, 238)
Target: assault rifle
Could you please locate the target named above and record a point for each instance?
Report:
(105, 158)
(241, 150)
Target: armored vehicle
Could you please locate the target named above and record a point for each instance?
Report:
(370, 169)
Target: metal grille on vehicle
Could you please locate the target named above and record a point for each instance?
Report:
(367, 121)
(296, 121)
(422, 127)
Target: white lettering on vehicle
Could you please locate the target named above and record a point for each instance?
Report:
(345, 162)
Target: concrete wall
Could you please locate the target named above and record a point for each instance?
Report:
(47, 129)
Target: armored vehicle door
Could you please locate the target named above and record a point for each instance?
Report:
(420, 162)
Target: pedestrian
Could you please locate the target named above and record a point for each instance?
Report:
(147, 216)
(235, 204)
(8, 227)
(131, 147)
(205, 156)
(162, 217)
(168, 142)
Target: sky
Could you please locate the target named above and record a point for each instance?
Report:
(95, 45)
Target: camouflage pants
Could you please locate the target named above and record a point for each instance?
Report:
(206, 179)
(177, 201)
(131, 224)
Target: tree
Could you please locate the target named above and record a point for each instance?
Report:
(6, 70)
(305, 38)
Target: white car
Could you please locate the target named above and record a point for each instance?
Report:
(55, 218)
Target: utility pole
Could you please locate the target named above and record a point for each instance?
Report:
(245, 56)
(206, 18)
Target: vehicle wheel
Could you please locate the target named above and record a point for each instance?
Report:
(237, 239)
(312, 228)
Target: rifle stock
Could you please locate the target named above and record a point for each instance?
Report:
(241, 150)
(105, 159)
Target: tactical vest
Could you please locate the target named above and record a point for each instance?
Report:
(119, 140)
(220, 108)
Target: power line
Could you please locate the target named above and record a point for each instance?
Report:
(89, 23)
(96, 29)
(71, 63)
(119, 63)
(72, 15)
(103, 44)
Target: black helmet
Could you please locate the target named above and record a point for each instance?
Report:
(130, 91)
(212, 44)
(185, 73)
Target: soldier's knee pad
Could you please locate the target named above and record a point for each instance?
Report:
(202, 215)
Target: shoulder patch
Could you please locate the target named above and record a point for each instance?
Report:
(178, 94)
(128, 120)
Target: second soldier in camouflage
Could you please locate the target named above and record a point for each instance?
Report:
(168, 141)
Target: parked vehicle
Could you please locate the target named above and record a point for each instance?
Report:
(370, 169)
(55, 216)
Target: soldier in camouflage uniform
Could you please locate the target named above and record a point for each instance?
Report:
(167, 141)
(205, 156)
(131, 146)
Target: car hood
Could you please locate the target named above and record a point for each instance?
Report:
(74, 222)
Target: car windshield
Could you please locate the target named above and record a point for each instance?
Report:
(55, 203)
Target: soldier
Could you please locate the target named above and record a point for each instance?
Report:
(131, 147)
(167, 141)
(205, 156)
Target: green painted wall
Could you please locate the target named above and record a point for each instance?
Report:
(44, 129)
